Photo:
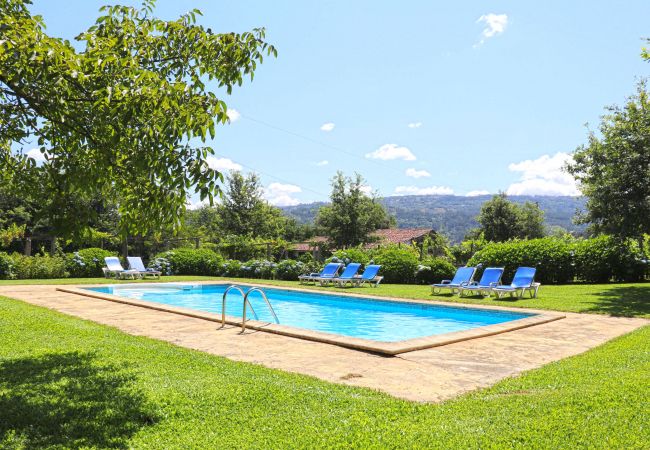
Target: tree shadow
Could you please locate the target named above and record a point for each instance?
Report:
(69, 400)
(624, 301)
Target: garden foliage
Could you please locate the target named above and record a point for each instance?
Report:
(87, 262)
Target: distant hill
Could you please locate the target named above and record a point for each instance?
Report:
(455, 215)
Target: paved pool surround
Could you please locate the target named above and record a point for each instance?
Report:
(385, 348)
(429, 375)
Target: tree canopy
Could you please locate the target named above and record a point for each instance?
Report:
(243, 213)
(352, 215)
(126, 117)
(613, 170)
(501, 220)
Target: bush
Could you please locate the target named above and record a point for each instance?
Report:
(350, 255)
(162, 265)
(39, 266)
(551, 256)
(290, 269)
(190, 261)
(606, 258)
(6, 267)
(230, 268)
(398, 264)
(434, 271)
(257, 268)
(87, 263)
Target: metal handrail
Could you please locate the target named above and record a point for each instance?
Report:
(250, 291)
(223, 302)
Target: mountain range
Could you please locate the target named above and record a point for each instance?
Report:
(455, 215)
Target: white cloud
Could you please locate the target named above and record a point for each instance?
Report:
(329, 126)
(233, 115)
(222, 164)
(413, 173)
(543, 176)
(494, 24)
(415, 125)
(36, 155)
(477, 193)
(366, 189)
(191, 204)
(391, 151)
(322, 163)
(431, 190)
(279, 194)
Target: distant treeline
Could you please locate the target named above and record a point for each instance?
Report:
(456, 215)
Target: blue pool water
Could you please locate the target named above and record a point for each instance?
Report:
(377, 320)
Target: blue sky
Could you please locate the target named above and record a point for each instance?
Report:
(417, 96)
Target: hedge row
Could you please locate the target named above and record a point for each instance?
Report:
(598, 260)
(399, 265)
(82, 264)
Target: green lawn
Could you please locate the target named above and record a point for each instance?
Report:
(65, 382)
(630, 299)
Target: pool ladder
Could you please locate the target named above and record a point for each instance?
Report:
(246, 302)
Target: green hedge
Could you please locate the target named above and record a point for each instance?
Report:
(605, 258)
(597, 260)
(38, 267)
(190, 261)
(6, 267)
(552, 258)
(434, 271)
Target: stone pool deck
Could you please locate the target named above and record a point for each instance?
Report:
(429, 375)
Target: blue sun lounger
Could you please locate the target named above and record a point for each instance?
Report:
(489, 280)
(524, 280)
(348, 276)
(329, 271)
(369, 276)
(462, 277)
(135, 263)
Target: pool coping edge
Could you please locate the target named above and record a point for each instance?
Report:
(383, 348)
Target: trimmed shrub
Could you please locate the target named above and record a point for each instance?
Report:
(606, 258)
(190, 261)
(39, 267)
(434, 271)
(162, 265)
(398, 264)
(351, 255)
(6, 267)
(290, 269)
(257, 268)
(230, 268)
(87, 263)
(551, 256)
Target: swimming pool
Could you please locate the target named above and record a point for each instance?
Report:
(368, 319)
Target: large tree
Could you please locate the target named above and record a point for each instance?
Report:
(501, 220)
(352, 215)
(125, 114)
(613, 170)
(244, 211)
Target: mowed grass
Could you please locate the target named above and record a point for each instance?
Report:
(65, 382)
(627, 300)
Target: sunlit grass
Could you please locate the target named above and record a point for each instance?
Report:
(65, 382)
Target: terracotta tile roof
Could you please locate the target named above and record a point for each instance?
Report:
(307, 246)
(401, 235)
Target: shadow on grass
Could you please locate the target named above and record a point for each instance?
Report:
(69, 400)
(625, 301)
